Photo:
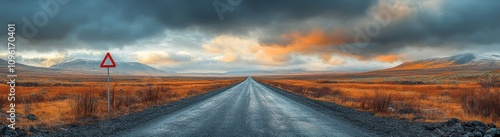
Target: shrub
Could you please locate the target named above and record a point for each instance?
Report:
(482, 103)
(163, 89)
(32, 98)
(492, 81)
(151, 95)
(4, 102)
(192, 92)
(335, 92)
(84, 105)
(299, 90)
(124, 101)
(319, 92)
(288, 87)
(214, 87)
(377, 103)
(60, 96)
(171, 94)
(103, 94)
(407, 108)
(35, 97)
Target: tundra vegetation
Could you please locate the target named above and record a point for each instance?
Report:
(429, 98)
(56, 101)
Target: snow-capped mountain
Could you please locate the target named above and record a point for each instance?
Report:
(92, 67)
(465, 61)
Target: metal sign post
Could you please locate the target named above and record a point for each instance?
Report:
(112, 65)
(108, 92)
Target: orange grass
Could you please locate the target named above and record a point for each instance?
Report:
(55, 100)
(429, 98)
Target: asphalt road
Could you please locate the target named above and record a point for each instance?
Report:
(247, 109)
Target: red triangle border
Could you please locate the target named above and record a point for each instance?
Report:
(113, 64)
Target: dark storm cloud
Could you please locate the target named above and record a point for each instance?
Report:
(113, 23)
(454, 24)
(458, 24)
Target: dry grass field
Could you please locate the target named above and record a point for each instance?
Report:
(429, 98)
(75, 100)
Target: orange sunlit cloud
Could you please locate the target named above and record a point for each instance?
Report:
(388, 58)
(155, 58)
(315, 42)
(230, 57)
(161, 58)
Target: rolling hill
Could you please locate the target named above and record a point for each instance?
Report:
(26, 70)
(470, 61)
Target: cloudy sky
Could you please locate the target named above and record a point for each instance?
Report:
(228, 35)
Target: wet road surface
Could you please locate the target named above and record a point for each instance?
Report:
(247, 109)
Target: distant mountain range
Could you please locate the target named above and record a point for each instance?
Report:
(467, 61)
(123, 68)
(86, 67)
(25, 70)
(265, 72)
(460, 62)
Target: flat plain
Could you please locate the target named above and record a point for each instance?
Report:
(427, 97)
(79, 99)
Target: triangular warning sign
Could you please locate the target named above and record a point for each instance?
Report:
(108, 61)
